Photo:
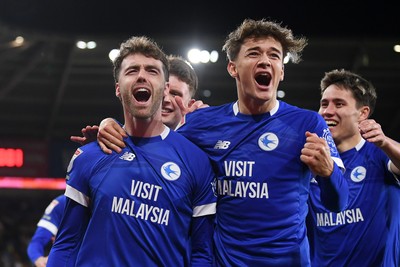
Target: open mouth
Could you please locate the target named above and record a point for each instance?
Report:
(166, 110)
(263, 78)
(142, 95)
(331, 123)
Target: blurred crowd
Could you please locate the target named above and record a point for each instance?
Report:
(20, 211)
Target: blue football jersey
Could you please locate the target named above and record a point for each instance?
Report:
(366, 233)
(262, 184)
(47, 228)
(139, 204)
(52, 215)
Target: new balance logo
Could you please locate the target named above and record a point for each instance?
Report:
(128, 156)
(222, 144)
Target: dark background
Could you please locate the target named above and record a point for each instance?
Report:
(49, 89)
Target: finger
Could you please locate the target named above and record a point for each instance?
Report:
(106, 142)
(306, 159)
(121, 132)
(115, 130)
(115, 137)
(116, 144)
(110, 141)
(116, 148)
(369, 126)
(310, 134)
(181, 105)
(104, 148)
(193, 107)
(196, 105)
(91, 129)
(367, 122)
(77, 139)
(83, 130)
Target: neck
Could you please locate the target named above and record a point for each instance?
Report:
(255, 107)
(348, 144)
(144, 127)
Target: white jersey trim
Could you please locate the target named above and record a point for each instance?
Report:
(360, 144)
(396, 177)
(48, 225)
(203, 210)
(165, 133)
(339, 162)
(77, 196)
(271, 112)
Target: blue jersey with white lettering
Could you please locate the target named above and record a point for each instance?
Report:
(47, 228)
(367, 232)
(138, 207)
(262, 184)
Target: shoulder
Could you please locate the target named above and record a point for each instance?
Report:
(55, 208)
(93, 151)
(178, 140)
(90, 150)
(62, 199)
(309, 119)
(372, 151)
(288, 108)
(213, 111)
(203, 117)
(88, 156)
(184, 145)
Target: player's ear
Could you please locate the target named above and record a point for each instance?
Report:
(232, 69)
(166, 89)
(364, 113)
(117, 91)
(191, 101)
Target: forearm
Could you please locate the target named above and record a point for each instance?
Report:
(202, 241)
(334, 190)
(40, 240)
(392, 150)
(71, 231)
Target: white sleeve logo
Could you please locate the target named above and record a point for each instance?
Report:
(71, 162)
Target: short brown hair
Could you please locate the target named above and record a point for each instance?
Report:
(363, 91)
(263, 28)
(182, 69)
(142, 45)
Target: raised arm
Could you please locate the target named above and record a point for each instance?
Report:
(372, 132)
(89, 134)
(316, 154)
(110, 136)
(193, 105)
(334, 189)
